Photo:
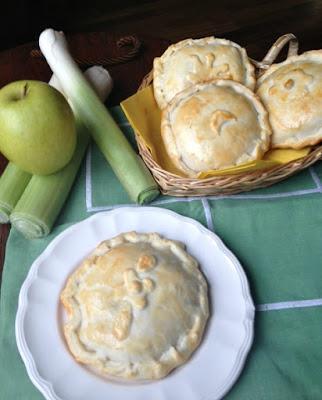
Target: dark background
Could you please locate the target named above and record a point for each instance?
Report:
(253, 24)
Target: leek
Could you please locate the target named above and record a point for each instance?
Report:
(44, 196)
(127, 165)
(13, 182)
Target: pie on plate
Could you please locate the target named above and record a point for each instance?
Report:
(193, 61)
(137, 307)
(291, 92)
(215, 125)
(41, 317)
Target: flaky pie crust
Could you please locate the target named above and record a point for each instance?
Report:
(137, 307)
(215, 125)
(194, 61)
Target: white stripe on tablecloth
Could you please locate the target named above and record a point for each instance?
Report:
(269, 196)
(207, 212)
(107, 208)
(283, 305)
(187, 200)
(266, 196)
(316, 179)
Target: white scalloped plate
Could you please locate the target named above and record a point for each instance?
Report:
(213, 368)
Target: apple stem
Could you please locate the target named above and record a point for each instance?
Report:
(24, 90)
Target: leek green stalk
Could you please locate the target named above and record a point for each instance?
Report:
(127, 165)
(13, 182)
(44, 196)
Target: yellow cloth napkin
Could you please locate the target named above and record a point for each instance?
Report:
(144, 115)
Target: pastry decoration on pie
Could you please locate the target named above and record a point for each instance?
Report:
(193, 61)
(292, 94)
(137, 307)
(214, 125)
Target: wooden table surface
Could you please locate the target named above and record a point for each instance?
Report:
(254, 24)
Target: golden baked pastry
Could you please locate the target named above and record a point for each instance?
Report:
(214, 125)
(137, 307)
(189, 62)
(291, 92)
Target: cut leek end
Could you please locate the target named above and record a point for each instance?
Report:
(30, 227)
(148, 195)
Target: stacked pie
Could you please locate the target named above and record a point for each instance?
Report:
(214, 113)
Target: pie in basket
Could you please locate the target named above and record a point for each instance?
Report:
(137, 307)
(291, 92)
(215, 125)
(193, 61)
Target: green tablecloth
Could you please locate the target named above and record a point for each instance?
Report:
(277, 235)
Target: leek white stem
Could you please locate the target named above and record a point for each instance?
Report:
(129, 168)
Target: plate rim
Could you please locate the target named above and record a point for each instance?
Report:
(46, 388)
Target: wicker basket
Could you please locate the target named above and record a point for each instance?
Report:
(175, 185)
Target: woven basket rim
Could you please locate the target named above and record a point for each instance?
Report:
(316, 151)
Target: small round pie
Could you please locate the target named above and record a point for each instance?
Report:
(193, 61)
(137, 307)
(292, 94)
(215, 125)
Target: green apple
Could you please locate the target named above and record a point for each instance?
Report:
(37, 127)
